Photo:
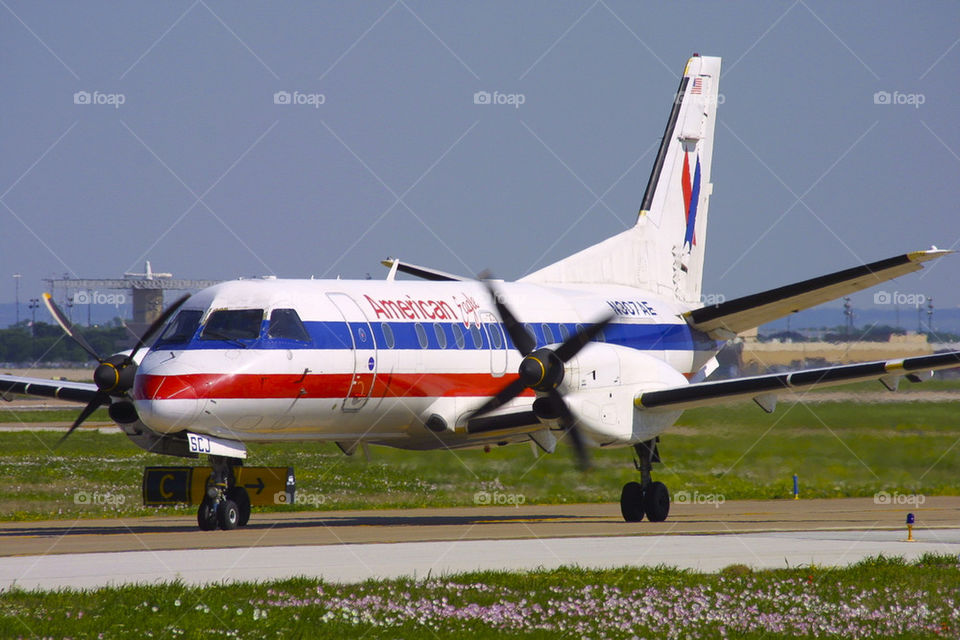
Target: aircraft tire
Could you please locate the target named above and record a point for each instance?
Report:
(631, 502)
(207, 515)
(242, 498)
(656, 502)
(228, 515)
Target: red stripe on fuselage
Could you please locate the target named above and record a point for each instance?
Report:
(333, 385)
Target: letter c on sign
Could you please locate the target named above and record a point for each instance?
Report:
(163, 489)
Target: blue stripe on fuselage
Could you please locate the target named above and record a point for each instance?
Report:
(336, 335)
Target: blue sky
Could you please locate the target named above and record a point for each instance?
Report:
(200, 171)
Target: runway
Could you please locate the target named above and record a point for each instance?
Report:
(357, 545)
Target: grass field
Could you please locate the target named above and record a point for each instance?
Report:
(877, 598)
(837, 448)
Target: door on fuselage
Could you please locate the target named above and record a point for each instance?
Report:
(364, 346)
(498, 344)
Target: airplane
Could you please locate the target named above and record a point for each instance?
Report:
(606, 347)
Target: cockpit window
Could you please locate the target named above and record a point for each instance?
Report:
(286, 323)
(182, 327)
(233, 324)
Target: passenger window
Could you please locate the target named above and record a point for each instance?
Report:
(233, 324)
(529, 329)
(286, 324)
(387, 335)
(441, 335)
(495, 335)
(421, 335)
(458, 336)
(564, 332)
(477, 337)
(182, 328)
(547, 333)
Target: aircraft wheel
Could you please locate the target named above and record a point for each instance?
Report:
(207, 515)
(242, 498)
(656, 502)
(631, 502)
(228, 515)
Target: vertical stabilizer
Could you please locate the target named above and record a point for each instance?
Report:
(664, 251)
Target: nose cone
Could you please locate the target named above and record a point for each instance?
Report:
(166, 400)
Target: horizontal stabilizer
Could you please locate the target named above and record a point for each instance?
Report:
(765, 388)
(725, 320)
(421, 272)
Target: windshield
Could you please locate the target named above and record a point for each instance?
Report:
(233, 324)
(182, 327)
(286, 323)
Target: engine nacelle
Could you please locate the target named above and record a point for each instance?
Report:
(600, 387)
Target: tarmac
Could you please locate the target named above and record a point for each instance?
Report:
(350, 546)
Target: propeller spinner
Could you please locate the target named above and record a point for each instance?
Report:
(542, 370)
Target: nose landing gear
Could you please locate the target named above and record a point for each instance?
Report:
(225, 504)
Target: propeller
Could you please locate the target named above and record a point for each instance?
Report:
(542, 370)
(114, 376)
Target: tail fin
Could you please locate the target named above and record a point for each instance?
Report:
(664, 251)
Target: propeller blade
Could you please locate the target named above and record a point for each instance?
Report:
(98, 400)
(156, 326)
(572, 345)
(569, 424)
(68, 328)
(503, 396)
(522, 339)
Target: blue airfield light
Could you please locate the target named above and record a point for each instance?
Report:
(796, 487)
(910, 521)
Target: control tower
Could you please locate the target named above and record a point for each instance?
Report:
(146, 290)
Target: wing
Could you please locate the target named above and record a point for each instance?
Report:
(725, 320)
(764, 389)
(82, 392)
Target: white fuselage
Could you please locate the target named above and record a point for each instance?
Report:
(378, 359)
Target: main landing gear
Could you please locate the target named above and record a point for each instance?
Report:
(645, 497)
(225, 505)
